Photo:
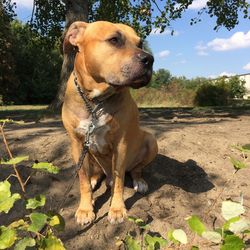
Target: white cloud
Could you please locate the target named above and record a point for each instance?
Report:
(157, 32)
(222, 74)
(227, 74)
(183, 61)
(202, 53)
(201, 49)
(28, 4)
(163, 53)
(247, 66)
(237, 41)
(197, 4)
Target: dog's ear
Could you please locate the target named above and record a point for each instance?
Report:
(73, 35)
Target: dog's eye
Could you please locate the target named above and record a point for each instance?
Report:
(114, 40)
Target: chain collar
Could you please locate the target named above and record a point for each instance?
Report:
(93, 107)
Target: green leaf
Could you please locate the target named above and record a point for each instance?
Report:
(6, 199)
(231, 209)
(20, 224)
(227, 224)
(196, 225)
(246, 148)
(212, 236)
(38, 201)
(52, 243)
(237, 164)
(15, 160)
(57, 222)
(171, 238)
(46, 166)
(4, 190)
(180, 235)
(239, 226)
(232, 242)
(139, 222)
(154, 242)
(25, 242)
(7, 237)
(195, 248)
(11, 121)
(131, 218)
(131, 243)
(38, 220)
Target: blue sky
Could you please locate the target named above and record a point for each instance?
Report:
(195, 50)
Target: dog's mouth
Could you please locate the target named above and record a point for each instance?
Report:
(135, 82)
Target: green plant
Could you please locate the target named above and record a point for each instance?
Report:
(236, 87)
(233, 234)
(210, 94)
(36, 228)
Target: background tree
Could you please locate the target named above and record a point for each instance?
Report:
(143, 15)
(160, 78)
(8, 79)
(47, 23)
(236, 87)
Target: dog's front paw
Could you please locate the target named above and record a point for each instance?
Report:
(140, 186)
(84, 216)
(117, 215)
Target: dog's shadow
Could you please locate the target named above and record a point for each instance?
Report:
(163, 170)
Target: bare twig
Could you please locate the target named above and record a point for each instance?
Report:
(11, 157)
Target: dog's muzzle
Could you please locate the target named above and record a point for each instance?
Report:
(143, 76)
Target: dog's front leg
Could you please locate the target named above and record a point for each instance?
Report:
(85, 212)
(117, 211)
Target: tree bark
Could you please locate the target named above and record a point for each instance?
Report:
(76, 10)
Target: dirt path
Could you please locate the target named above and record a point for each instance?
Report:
(186, 177)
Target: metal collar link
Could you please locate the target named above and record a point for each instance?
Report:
(92, 108)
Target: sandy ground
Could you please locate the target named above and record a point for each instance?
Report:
(187, 176)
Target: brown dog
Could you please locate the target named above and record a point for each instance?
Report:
(109, 59)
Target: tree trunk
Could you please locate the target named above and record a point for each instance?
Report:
(76, 10)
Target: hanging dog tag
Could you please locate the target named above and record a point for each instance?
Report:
(91, 128)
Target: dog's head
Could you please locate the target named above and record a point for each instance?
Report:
(110, 53)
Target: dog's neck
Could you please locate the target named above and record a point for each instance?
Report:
(95, 92)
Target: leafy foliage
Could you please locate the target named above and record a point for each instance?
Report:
(36, 228)
(211, 95)
(142, 15)
(7, 237)
(46, 166)
(231, 209)
(7, 199)
(8, 80)
(217, 92)
(196, 225)
(15, 160)
(38, 201)
(160, 78)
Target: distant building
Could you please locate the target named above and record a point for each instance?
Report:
(246, 77)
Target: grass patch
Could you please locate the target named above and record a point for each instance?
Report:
(163, 97)
(26, 112)
(23, 107)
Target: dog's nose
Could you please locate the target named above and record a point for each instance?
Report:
(145, 58)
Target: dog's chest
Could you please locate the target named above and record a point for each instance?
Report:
(98, 139)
